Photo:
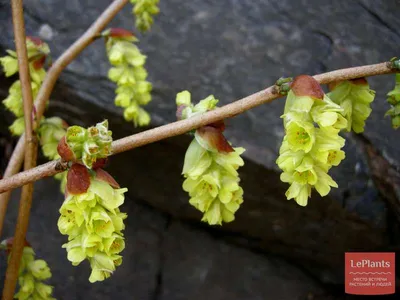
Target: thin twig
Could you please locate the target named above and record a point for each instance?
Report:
(12, 168)
(181, 127)
(30, 149)
(44, 93)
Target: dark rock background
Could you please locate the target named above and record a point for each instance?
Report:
(229, 48)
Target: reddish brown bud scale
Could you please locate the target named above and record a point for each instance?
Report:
(305, 85)
(220, 125)
(34, 39)
(99, 163)
(106, 177)
(64, 124)
(78, 179)
(120, 33)
(359, 81)
(333, 85)
(179, 111)
(9, 243)
(215, 138)
(64, 151)
(39, 63)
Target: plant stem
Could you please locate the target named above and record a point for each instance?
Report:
(12, 168)
(30, 149)
(44, 93)
(181, 127)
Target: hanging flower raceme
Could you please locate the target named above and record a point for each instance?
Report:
(144, 10)
(355, 97)
(37, 53)
(91, 218)
(51, 131)
(394, 100)
(210, 166)
(32, 272)
(129, 74)
(86, 145)
(309, 151)
(90, 214)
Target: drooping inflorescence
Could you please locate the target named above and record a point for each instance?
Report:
(355, 97)
(91, 218)
(90, 214)
(32, 272)
(37, 53)
(210, 166)
(394, 100)
(312, 144)
(128, 72)
(144, 10)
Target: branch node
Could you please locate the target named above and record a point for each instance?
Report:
(394, 63)
(282, 85)
(61, 165)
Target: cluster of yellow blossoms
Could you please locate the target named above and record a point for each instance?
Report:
(37, 53)
(394, 100)
(129, 74)
(93, 222)
(312, 144)
(32, 272)
(90, 214)
(144, 11)
(210, 166)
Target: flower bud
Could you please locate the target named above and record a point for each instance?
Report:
(39, 269)
(10, 65)
(183, 98)
(396, 122)
(44, 290)
(18, 126)
(76, 134)
(206, 104)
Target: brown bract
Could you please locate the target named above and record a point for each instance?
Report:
(333, 85)
(64, 151)
(214, 138)
(38, 63)
(119, 33)
(220, 125)
(9, 244)
(99, 163)
(106, 177)
(359, 81)
(34, 39)
(78, 179)
(179, 111)
(305, 85)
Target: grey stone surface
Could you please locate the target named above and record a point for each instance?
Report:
(232, 48)
(212, 269)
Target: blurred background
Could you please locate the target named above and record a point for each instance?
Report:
(274, 249)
